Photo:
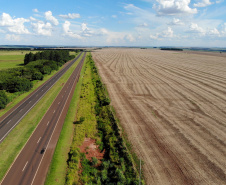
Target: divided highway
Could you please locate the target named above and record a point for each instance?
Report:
(10, 121)
(31, 165)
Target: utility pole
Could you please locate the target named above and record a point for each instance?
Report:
(140, 173)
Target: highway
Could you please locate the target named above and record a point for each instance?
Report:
(31, 165)
(13, 117)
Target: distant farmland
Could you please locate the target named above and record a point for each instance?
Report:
(172, 106)
(11, 59)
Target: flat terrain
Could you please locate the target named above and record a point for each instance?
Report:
(11, 59)
(172, 106)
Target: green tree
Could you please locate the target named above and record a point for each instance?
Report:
(37, 76)
(3, 100)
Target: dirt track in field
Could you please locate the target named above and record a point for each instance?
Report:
(172, 105)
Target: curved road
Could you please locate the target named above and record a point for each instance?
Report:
(31, 165)
(8, 122)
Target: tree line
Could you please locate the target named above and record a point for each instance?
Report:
(55, 55)
(35, 67)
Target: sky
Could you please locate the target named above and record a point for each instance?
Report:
(196, 23)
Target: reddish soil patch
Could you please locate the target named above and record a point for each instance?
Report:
(90, 149)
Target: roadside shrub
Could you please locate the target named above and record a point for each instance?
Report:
(3, 100)
(16, 84)
(37, 76)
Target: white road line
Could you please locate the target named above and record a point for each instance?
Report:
(8, 121)
(20, 110)
(54, 111)
(58, 103)
(25, 166)
(39, 140)
(48, 123)
(51, 137)
(29, 101)
(29, 137)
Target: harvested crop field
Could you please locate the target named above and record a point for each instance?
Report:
(172, 106)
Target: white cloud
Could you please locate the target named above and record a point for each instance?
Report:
(176, 22)
(174, 7)
(86, 32)
(41, 28)
(49, 17)
(143, 25)
(68, 32)
(129, 37)
(167, 33)
(103, 31)
(223, 29)
(70, 16)
(33, 19)
(164, 34)
(114, 16)
(194, 28)
(203, 3)
(214, 32)
(12, 37)
(14, 25)
(220, 1)
(35, 10)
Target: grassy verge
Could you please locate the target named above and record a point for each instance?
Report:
(85, 125)
(58, 167)
(12, 59)
(15, 141)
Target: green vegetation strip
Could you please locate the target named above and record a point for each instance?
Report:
(15, 141)
(58, 167)
(96, 119)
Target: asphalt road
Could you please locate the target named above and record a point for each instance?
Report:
(31, 165)
(10, 120)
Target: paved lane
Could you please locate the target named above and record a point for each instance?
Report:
(28, 168)
(9, 121)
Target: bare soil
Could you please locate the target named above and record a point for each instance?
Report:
(90, 149)
(172, 106)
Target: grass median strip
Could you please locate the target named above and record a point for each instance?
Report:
(58, 167)
(15, 141)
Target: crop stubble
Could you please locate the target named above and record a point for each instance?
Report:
(172, 105)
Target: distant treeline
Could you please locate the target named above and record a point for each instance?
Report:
(55, 55)
(36, 66)
(172, 49)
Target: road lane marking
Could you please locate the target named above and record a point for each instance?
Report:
(20, 110)
(8, 121)
(39, 140)
(25, 166)
(54, 111)
(58, 103)
(29, 137)
(29, 101)
(48, 123)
